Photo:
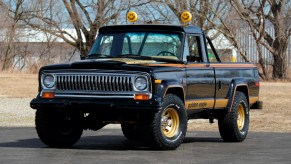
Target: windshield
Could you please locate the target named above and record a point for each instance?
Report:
(143, 44)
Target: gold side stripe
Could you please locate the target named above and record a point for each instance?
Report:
(221, 103)
(253, 100)
(209, 103)
(199, 104)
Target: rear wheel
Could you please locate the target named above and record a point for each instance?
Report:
(58, 129)
(234, 125)
(168, 127)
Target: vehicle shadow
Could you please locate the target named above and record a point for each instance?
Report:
(104, 142)
(201, 139)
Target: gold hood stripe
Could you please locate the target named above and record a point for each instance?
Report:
(130, 61)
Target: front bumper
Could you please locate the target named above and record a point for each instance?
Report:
(94, 104)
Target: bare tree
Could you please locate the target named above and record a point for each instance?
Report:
(74, 21)
(208, 14)
(258, 14)
(10, 26)
(226, 18)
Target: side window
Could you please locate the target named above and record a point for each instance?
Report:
(194, 49)
(211, 56)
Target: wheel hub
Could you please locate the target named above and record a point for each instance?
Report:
(170, 122)
(240, 117)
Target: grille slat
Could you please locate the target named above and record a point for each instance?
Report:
(97, 83)
(121, 84)
(94, 83)
(69, 83)
(62, 83)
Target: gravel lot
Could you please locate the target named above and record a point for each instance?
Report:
(16, 112)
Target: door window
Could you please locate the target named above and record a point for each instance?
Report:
(193, 52)
(211, 55)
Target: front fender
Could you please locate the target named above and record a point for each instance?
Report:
(164, 86)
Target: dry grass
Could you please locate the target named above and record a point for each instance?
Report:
(18, 85)
(276, 112)
(275, 117)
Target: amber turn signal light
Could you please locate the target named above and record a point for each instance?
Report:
(48, 95)
(141, 97)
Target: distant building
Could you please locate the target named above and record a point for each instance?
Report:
(248, 44)
(34, 48)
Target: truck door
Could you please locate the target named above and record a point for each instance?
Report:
(223, 76)
(200, 76)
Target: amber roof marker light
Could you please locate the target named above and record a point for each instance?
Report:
(186, 17)
(132, 16)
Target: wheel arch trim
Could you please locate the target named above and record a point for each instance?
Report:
(165, 86)
(237, 85)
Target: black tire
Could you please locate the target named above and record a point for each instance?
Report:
(58, 129)
(131, 131)
(234, 125)
(167, 128)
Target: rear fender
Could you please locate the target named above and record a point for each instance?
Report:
(236, 85)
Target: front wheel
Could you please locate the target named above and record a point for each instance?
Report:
(234, 125)
(58, 129)
(168, 126)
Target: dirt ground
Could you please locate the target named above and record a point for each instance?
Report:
(16, 91)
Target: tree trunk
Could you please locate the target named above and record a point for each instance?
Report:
(84, 48)
(7, 58)
(262, 74)
(279, 65)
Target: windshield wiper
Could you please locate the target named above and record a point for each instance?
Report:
(132, 56)
(94, 56)
(168, 60)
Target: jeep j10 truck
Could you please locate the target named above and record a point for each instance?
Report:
(151, 79)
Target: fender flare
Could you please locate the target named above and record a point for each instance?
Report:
(235, 85)
(164, 86)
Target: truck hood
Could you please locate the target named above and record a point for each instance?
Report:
(113, 64)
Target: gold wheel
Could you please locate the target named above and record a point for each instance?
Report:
(170, 122)
(240, 117)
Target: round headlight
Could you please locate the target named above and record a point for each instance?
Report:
(49, 81)
(140, 83)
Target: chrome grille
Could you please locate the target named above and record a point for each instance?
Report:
(94, 83)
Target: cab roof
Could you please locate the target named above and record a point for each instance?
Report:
(171, 28)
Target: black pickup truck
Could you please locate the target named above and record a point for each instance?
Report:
(151, 79)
